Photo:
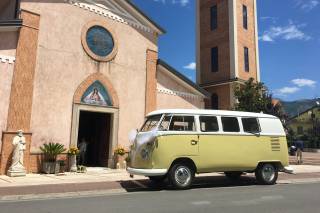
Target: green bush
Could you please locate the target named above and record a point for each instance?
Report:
(52, 150)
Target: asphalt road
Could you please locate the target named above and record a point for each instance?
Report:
(293, 198)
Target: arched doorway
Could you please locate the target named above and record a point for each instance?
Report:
(95, 121)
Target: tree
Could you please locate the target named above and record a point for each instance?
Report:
(255, 97)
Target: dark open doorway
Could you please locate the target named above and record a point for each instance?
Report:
(94, 128)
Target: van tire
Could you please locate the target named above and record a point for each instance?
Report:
(233, 175)
(266, 174)
(181, 176)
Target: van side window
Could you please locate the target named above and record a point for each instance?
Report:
(209, 124)
(250, 125)
(230, 124)
(182, 123)
(164, 126)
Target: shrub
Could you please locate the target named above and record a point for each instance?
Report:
(52, 150)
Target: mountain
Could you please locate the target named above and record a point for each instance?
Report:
(292, 108)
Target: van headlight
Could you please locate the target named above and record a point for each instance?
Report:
(144, 154)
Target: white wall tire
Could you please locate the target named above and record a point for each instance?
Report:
(266, 174)
(181, 176)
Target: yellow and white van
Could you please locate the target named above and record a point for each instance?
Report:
(176, 144)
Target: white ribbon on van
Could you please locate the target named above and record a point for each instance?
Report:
(143, 144)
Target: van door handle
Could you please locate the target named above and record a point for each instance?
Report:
(194, 142)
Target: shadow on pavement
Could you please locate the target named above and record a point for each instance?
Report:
(199, 182)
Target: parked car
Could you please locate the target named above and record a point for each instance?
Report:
(177, 144)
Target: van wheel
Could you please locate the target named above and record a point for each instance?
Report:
(233, 175)
(266, 174)
(181, 176)
(157, 179)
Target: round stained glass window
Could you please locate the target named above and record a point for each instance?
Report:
(99, 41)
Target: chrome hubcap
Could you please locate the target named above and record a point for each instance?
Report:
(268, 173)
(182, 175)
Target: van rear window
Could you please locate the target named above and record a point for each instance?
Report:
(209, 124)
(182, 123)
(151, 123)
(230, 124)
(250, 125)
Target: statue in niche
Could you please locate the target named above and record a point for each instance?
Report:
(19, 145)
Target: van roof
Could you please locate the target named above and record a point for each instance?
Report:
(211, 112)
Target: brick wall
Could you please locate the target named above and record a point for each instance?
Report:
(151, 83)
(209, 39)
(20, 105)
(246, 38)
(223, 92)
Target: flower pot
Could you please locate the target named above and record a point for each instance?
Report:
(73, 163)
(120, 162)
(51, 167)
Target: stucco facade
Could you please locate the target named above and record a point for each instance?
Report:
(173, 92)
(6, 71)
(59, 71)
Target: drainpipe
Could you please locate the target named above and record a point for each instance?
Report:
(17, 9)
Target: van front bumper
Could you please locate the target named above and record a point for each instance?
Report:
(288, 169)
(147, 172)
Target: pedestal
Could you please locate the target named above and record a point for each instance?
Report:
(16, 173)
(73, 163)
(120, 162)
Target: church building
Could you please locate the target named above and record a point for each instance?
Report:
(74, 69)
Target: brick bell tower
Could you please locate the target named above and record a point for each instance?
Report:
(227, 48)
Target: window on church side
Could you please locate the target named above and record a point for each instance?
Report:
(214, 59)
(246, 59)
(214, 17)
(214, 101)
(245, 16)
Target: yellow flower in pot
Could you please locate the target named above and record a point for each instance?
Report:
(119, 160)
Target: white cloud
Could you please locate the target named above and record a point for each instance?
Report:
(307, 5)
(182, 3)
(301, 82)
(286, 90)
(289, 32)
(269, 18)
(191, 66)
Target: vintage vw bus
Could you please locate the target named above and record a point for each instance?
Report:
(176, 144)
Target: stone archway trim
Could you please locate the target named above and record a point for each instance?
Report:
(90, 80)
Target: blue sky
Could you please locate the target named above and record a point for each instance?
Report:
(289, 32)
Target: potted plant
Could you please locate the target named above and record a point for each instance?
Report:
(119, 158)
(73, 152)
(51, 151)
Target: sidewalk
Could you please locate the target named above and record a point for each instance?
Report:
(92, 175)
(309, 158)
(101, 180)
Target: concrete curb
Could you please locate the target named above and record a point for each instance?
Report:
(61, 195)
(296, 181)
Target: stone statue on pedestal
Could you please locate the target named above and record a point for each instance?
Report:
(19, 145)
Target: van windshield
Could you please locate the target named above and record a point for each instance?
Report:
(151, 123)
